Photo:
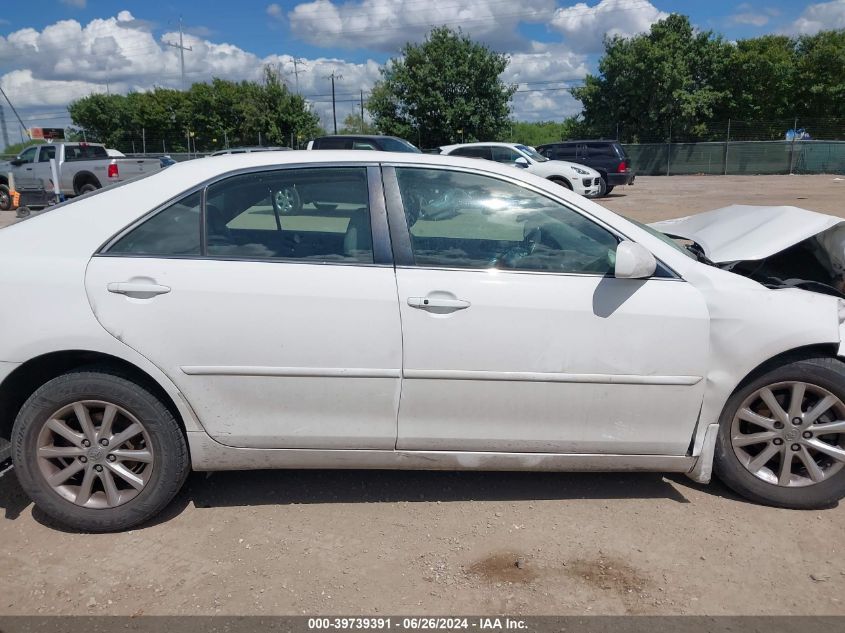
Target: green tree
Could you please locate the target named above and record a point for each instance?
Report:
(540, 132)
(353, 124)
(672, 77)
(820, 75)
(441, 91)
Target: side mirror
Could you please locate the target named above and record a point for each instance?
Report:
(634, 261)
(17, 162)
(521, 162)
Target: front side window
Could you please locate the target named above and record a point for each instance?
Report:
(463, 220)
(28, 155)
(310, 214)
(172, 232)
(531, 153)
(505, 155)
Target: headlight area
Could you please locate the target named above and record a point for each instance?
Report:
(578, 170)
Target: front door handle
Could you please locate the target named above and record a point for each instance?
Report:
(437, 304)
(137, 290)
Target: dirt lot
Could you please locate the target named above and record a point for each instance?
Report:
(446, 543)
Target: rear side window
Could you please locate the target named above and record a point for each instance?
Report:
(47, 152)
(473, 152)
(332, 143)
(562, 151)
(174, 231)
(601, 150)
(311, 214)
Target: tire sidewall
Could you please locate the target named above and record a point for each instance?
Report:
(5, 198)
(828, 374)
(156, 420)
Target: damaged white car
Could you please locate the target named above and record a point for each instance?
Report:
(346, 310)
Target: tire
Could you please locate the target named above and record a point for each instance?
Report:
(88, 187)
(5, 198)
(609, 189)
(799, 487)
(603, 191)
(158, 471)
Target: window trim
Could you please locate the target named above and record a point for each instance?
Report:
(401, 234)
(382, 252)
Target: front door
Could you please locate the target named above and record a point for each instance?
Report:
(281, 327)
(517, 338)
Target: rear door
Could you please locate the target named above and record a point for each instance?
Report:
(269, 298)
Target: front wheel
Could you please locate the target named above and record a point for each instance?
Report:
(97, 452)
(782, 436)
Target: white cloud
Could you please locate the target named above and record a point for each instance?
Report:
(275, 11)
(820, 17)
(68, 60)
(584, 27)
(78, 4)
(748, 19)
(388, 24)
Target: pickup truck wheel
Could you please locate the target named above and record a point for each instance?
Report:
(97, 452)
(5, 198)
(87, 188)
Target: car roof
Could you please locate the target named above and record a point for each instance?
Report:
(587, 140)
(373, 137)
(480, 144)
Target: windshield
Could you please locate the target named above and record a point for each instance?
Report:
(664, 238)
(532, 153)
(399, 145)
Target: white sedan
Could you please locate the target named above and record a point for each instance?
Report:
(581, 179)
(347, 310)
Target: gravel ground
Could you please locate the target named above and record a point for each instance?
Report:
(367, 542)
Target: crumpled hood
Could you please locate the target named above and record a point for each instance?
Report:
(745, 232)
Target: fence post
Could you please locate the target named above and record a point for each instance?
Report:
(163, 147)
(669, 151)
(143, 140)
(792, 146)
(727, 145)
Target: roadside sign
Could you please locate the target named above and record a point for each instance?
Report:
(47, 133)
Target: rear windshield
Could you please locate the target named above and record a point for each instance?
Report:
(84, 152)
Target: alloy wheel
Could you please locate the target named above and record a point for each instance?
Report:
(790, 434)
(95, 454)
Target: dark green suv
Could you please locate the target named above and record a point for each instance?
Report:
(606, 157)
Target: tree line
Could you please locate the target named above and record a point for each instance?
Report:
(679, 83)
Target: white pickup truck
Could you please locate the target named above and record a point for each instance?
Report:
(83, 167)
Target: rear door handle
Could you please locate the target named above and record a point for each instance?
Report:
(438, 304)
(137, 290)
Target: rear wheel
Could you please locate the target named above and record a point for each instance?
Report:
(609, 189)
(602, 187)
(782, 436)
(5, 198)
(87, 188)
(97, 452)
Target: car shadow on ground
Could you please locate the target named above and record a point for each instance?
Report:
(288, 487)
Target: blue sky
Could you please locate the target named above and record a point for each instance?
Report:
(53, 51)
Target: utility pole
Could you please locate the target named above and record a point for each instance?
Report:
(362, 112)
(3, 125)
(182, 48)
(17, 116)
(295, 72)
(334, 76)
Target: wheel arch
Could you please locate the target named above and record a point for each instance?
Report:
(561, 180)
(29, 376)
(84, 178)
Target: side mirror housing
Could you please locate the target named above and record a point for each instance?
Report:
(634, 261)
(17, 162)
(521, 162)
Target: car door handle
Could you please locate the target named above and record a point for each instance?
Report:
(438, 304)
(137, 290)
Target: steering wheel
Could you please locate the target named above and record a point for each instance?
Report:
(526, 247)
